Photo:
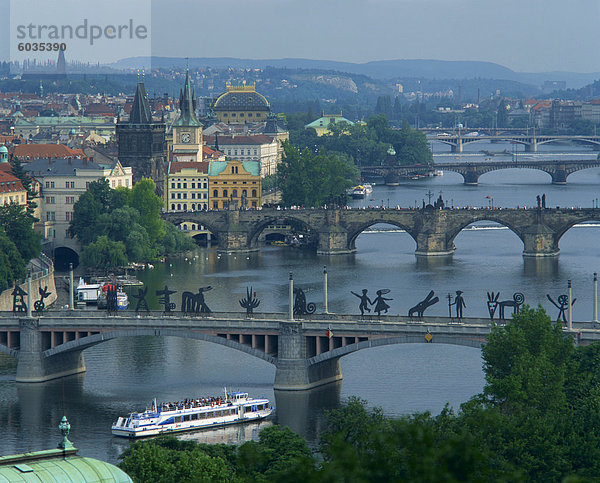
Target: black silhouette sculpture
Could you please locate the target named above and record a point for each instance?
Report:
(165, 300)
(515, 303)
(544, 200)
(364, 301)
(459, 302)
(194, 302)
(141, 300)
(300, 305)
(424, 304)
(379, 301)
(18, 295)
(250, 302)
(539, 201)
(492, 303)
(111, 298)
(562, 306)
(39, 305)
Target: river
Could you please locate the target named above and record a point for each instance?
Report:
(126, 374)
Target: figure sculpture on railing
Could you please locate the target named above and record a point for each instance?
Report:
(39, 305)
(300, 305)
(194, 302)
(365, 301)
(459, 303)
(380, 301)
(562, 306)
(18, 295)
(515, 303)
(250, 302)
(424, 304)
(165, 300)
(141, 300)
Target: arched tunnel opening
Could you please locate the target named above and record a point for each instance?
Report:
(63, 256)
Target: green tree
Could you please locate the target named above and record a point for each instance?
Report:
(148, 204)
(12, 265)
(94, 202)
(104, 253)
(17, 223)
(309, 180)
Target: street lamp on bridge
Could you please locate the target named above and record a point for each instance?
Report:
(490, 202)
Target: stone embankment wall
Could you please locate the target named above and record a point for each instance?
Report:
(42, 275)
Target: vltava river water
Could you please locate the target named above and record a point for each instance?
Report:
(126, 374)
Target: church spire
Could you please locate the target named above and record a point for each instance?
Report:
(140, 111)
(187, 105)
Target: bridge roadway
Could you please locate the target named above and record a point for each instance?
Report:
(52, 345)
(559, 170)
(530, 141)
(433, 230)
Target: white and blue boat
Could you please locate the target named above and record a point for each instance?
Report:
(192, 414)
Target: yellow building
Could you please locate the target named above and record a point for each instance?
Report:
(241, 104)
(234, 184)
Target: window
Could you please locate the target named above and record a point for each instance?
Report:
(254, 193)
(184, 185)
(193, 196)
(249, 114)
(235, 152)
(224, 205)
(173, 195)
(68, 215)
(185, 196)
(216, 193)
(241, 114)
(204, 185)
(244, 192)
(70, 200)
(50, 200)
(178, 196)
(172, 206)
(193, 185)
(179, 206)
(185, 206)
(173, 185)
(234, 193)
(225, 194)
(127, 182)
(215, 205)
(113, 183)
(50, 215)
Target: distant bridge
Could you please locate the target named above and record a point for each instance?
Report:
(52, 345)
(530, 141)
(433, 230)
(559, 170)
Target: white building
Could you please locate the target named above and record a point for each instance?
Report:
(260, 147)
(62, 181)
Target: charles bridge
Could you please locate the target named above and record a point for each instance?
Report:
(557, 169)
(305, 350)
(433, 230)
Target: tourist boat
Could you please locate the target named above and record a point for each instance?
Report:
(358, 192)
(191, 414)
(368, 188)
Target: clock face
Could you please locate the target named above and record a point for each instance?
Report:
(186, 137)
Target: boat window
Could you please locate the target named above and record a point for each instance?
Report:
(202, 415)
(195, 416)
(178, 419)
(187, 417)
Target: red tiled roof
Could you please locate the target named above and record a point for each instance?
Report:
(36, 151)
(177, 166)
(9, 183)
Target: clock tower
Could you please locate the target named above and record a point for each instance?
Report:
(187, 130)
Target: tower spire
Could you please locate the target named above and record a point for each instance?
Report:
(140, 111)
(187, 104)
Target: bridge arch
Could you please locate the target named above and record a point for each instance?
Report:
(356, 231)
(488, 215)
(92, 340)
(490, 169)
(565, 228)
(254, 234)
(177, 218)
(403, 339)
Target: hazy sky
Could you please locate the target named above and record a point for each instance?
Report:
(525, 35)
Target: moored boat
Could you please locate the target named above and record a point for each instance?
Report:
(358, 192)
(87, 293)
(191, 414)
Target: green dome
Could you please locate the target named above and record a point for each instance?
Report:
(69, 469)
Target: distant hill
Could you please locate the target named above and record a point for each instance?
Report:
(380, 69)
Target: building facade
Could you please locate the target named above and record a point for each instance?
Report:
(234, 184)
(63, 181)
(258, 148)
(187, 186)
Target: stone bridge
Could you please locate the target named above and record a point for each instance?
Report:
(52, 345)
(433, 230)
(558, 170)
(530, 141)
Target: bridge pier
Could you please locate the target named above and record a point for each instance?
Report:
(333, 239)
(531, 147)
(559, 176)
(471, 176)
(293, 372)
(234, 241)
(392, 179)
(540, 241)
(458, 147)
(32, 366)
